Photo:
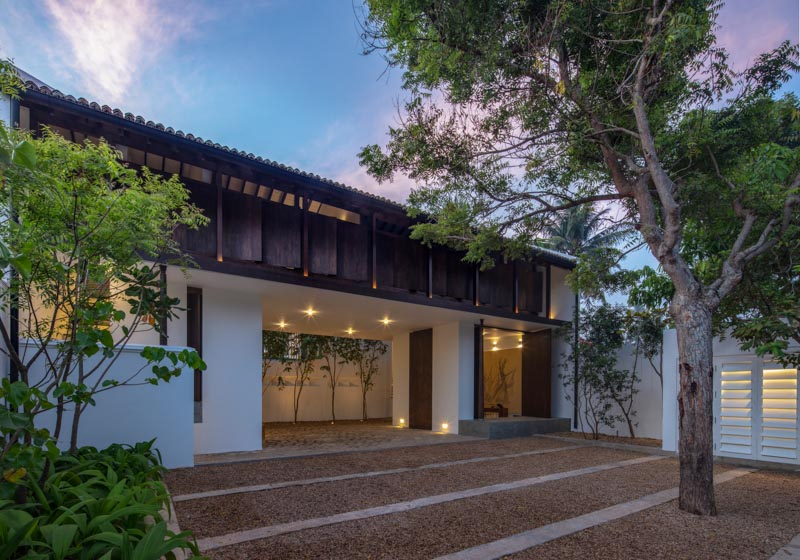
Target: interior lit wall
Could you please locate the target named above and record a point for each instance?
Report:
(510, 393)
(400, 388)
(315, 399)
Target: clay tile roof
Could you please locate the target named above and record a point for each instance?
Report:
(37, 86)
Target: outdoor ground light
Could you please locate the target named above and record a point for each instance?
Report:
(445, 426)
(402, 422)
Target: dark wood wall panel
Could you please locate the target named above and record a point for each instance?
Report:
(241, 227)
(496, 285)
(322, 244)
(283, 235)
(536, 374)
(459, 276)
(439, 271)
(385, 257)
(410, 265)
(352, 251)
(203, 240)
(530, 288)
(420, 380)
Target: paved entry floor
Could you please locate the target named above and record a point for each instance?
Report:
(285, 439)
(537, 497)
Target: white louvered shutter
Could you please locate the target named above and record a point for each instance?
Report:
(778, 437)
(735, 416)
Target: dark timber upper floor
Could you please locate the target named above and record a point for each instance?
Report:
(277, 223)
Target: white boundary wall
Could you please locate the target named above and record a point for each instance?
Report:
(132, 414)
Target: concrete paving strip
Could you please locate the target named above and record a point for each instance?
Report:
(791, 550)
(229, 539)
(540, 535)
(350, 476)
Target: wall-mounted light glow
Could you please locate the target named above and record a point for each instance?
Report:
(386, 321)
(519, 345)
(445, 427)
(495, 349)
(310, 312)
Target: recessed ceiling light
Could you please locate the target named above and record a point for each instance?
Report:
(310, 312)
(350, 331)
(282, 324)
(386, 321)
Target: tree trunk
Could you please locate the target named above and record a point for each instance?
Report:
(333, 401)
(695, 443)
(364, 406)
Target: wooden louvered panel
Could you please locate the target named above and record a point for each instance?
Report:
(778, 437)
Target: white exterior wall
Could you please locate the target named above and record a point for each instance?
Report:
(562, 307)
(133, 414)
(562, 298)
(232, 382)
(315, 400)
(453, 374)
(400, 377)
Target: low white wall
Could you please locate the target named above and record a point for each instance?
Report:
(453, 374)
(132, 414)
(315, 400)
(232, 382)
(400, 377)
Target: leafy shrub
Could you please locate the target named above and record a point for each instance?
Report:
(92, 504)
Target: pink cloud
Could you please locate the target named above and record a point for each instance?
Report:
(108, 44)
(748, 28)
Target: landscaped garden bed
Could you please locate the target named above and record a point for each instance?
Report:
(647, 442)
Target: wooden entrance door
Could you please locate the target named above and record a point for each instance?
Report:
(420, 378)
(536, 374)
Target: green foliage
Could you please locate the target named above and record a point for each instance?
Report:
(337, 351)
(366, 359)
(605, 391)
(10, 82)
(303, 351)
(82, 223)
(92, 504)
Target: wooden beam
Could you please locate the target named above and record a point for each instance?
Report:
(478, 412)
(430, 272)
(373, 261)
(515, 289)
(476, 287)
(547, 291)
(304, 258)
(218, 183)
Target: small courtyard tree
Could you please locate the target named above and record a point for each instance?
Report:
(605, 391)
(519, 109)
(304, 350)
(367, 363)
(274, 348)
(337, 352)
(86, 225)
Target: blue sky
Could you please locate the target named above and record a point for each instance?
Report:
(284, 79)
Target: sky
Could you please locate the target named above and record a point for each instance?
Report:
(283, 79)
